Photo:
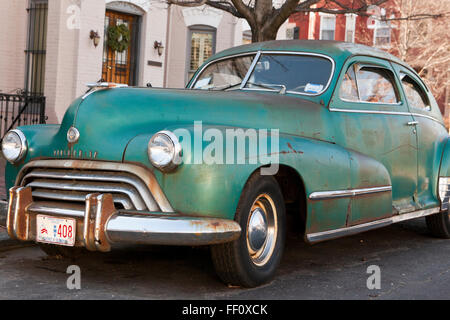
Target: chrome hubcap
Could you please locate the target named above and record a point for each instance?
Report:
(262, 229)
(257, 229)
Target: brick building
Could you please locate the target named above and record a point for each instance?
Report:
(368, 30)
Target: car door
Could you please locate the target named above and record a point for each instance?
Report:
(431, 134)
(372, 118)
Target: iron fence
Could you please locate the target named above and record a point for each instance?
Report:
(20, 109)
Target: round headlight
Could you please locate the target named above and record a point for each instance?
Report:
(164, 151)
(14, 145)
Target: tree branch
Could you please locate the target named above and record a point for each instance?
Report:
(286, 10)
(222, 5)
(246, 11)
(419, 16)
(188, 3)
(361, 10)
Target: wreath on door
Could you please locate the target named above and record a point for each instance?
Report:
(118, 37)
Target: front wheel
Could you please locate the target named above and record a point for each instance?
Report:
(253, 258)
(439, 224)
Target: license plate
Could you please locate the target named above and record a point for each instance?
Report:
(55, 230)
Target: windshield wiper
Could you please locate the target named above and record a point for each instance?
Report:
(269, 86)
(224, 87)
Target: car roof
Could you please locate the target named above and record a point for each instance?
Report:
(337, 50)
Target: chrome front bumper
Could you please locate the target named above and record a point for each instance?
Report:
(100, 224)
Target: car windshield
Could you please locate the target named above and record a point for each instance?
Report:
(297, 73)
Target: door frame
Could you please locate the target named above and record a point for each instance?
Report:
(135, 50)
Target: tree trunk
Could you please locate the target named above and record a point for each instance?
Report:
(264, 34)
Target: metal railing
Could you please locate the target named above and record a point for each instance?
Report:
(20, 109)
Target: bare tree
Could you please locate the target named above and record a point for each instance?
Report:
(422, 39)
(266, 16)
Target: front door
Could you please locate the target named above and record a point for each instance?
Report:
(120, 67)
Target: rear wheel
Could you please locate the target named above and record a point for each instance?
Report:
(439, 224)
(62, 251)
(253, 258)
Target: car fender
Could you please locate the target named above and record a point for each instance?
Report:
(214, 189)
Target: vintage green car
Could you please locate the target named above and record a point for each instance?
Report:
(327, 138)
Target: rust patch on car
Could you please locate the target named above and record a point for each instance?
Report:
(293, 150)
(18, 218)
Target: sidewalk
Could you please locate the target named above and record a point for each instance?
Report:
(6, 243)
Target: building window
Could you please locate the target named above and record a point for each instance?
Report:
(247, 37)
(350, 22)
(382, 35)
(36, 47)
(202, 46)
(327, 26)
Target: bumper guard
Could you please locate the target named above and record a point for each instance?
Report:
(101, 224)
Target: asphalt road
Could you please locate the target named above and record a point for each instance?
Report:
(413, 266)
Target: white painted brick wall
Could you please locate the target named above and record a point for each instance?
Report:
(72, 60)
(13, 37)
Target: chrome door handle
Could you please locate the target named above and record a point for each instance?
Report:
(413, 123)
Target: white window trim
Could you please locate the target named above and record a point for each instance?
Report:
(354, 17)
(201, 29)
(327, 15)
(378, 26)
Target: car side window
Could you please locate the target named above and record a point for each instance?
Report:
(349, 89)
(368, 84)
(376, 85)
(416, 97)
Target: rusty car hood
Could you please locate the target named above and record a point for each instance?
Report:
(108, 119)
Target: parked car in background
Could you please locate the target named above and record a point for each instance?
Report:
(354, 136)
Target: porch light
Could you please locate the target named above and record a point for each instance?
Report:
(158, 46)
(94, 36)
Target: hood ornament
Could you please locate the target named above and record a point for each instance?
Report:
(73, 135)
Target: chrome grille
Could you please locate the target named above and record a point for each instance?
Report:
(72, 185)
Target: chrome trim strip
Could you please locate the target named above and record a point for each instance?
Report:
(56, 209)
(385, 112)
(320, 195)
(399, 103)
(185, 231)
(145, 175)
(250, 69)
(94, 87)
(415, 214)
(256, 59)
(341, 232)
